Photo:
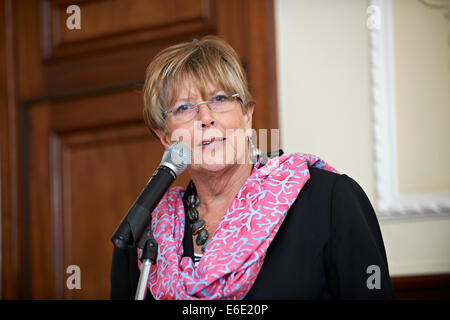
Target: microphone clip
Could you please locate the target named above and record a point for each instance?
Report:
(148, 245)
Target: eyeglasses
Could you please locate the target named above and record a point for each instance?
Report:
(187, 111)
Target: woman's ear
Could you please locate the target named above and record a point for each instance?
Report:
(162, 137)
(249, 115)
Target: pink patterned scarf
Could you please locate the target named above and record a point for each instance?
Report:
(234, 256)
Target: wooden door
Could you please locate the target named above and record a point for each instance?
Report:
(84, 151)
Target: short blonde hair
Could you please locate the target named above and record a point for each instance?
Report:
(209, 60)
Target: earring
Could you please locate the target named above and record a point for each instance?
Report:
(253, 152)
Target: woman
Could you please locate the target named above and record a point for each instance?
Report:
(283, 227)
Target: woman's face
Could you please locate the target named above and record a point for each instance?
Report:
(217, 139)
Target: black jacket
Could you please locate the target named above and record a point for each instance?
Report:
(328, 247)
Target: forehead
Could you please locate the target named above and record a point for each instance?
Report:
(190, 89)
(192, 92)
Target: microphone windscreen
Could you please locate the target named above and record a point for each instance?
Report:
(177, 157)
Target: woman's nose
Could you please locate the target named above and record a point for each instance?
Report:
(205, 115)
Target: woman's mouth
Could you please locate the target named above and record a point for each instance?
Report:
(210, 143)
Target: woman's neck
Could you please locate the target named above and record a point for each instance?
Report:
(218, 189)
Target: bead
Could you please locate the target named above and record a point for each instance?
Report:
(197, 226)
(205, 245)
(192, 215)
(193, 201)
(190, 200)
(202, 237)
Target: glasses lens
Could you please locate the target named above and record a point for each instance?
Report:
(218, 103)
(184, 113)
(221, 103)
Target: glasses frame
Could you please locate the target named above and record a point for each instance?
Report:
(197, 105)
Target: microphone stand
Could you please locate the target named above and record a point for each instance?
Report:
(130, 231)
(149, 248)
(129, 234)
(123, 238)
(135, 228)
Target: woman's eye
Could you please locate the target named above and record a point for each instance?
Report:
(182, 108)
(220, 98)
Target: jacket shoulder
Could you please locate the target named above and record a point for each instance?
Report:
(322, 179)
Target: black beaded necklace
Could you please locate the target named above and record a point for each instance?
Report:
(198, 226)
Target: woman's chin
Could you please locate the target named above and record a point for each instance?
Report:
(212, 164)
(212, 167)
(216, 167)
(216, 160)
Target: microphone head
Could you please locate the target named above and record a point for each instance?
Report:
(177, 157)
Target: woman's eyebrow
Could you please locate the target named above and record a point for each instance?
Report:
(184, 99)
(188, 98)
(215, 91)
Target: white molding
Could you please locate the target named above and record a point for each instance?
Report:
(390, 204)
(438, 4)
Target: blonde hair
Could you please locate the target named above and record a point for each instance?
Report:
(209, 60)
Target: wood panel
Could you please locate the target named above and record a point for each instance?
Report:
(102, 172)
(41, 236)
(11, 272)
(115, 23)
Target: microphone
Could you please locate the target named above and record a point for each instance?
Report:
(175, 160)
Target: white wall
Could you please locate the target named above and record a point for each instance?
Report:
(324, 88)
(422, 86)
